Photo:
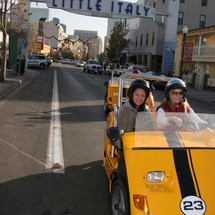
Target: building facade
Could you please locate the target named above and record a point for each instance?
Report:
(198, 68)
(151, 40)
(92, 45)
(53, 31)
(53, 35)
(76, 46)
(38, 13)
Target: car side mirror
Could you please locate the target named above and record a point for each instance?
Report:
(114, 133)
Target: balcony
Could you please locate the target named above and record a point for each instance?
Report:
(204, 52)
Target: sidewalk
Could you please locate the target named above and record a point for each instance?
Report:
(13, 81)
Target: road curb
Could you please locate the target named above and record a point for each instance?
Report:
(11, 83)
(9, 87)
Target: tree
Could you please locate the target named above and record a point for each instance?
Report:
(32, 43)
(12, 13)
(67, 53)
(117, 41)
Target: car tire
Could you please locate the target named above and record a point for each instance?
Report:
(106, 109)
(119, 200)
(42, 66)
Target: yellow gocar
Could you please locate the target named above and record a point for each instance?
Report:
(154, 171)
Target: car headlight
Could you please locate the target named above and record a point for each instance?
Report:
(155, 176)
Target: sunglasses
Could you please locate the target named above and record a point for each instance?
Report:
(181, 93)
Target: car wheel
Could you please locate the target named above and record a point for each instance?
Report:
(106, 109)
(100, 72)
(42, 66)
(119, 198)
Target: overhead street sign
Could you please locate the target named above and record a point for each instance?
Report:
(104, 8)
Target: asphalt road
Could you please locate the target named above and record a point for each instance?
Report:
(27, 187)
(30, 127)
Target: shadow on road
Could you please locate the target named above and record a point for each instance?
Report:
(72, 114)
(57, 194)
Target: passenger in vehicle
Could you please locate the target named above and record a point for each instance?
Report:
(175, 101)
(138, 93)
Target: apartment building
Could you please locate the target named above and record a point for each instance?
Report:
(153, 42)
(54, 32)
(92, 44)
(76, 46)
(198, 68)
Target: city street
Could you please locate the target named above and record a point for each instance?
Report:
(27, 187)
(51, 141)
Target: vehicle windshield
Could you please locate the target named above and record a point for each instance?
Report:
(194, 130)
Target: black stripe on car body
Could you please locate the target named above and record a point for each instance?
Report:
(182, 167)
(183, 171)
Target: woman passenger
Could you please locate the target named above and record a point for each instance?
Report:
(175, 101)
(138, 93)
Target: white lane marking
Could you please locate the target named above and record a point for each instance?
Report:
(54, 160)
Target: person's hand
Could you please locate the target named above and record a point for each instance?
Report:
(175, 121)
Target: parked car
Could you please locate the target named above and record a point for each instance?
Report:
(37, 60)
(92, 66)
(50, 60)
(109, 69)
(72, 62)
(154, 171)
(79, 64)
(64, 61)
(120, 70)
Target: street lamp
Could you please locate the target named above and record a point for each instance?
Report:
(185, 31)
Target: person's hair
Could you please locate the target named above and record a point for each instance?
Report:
(166, 104)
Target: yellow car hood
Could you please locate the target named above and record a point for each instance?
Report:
(186, 159)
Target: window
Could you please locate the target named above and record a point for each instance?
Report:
(163, 1)
(136, 41)
(204, 2)
(153, 38)
(147, 39)
(196, 41)
(180, 18)
(202, 21)
(182, 1)
(141, 40)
